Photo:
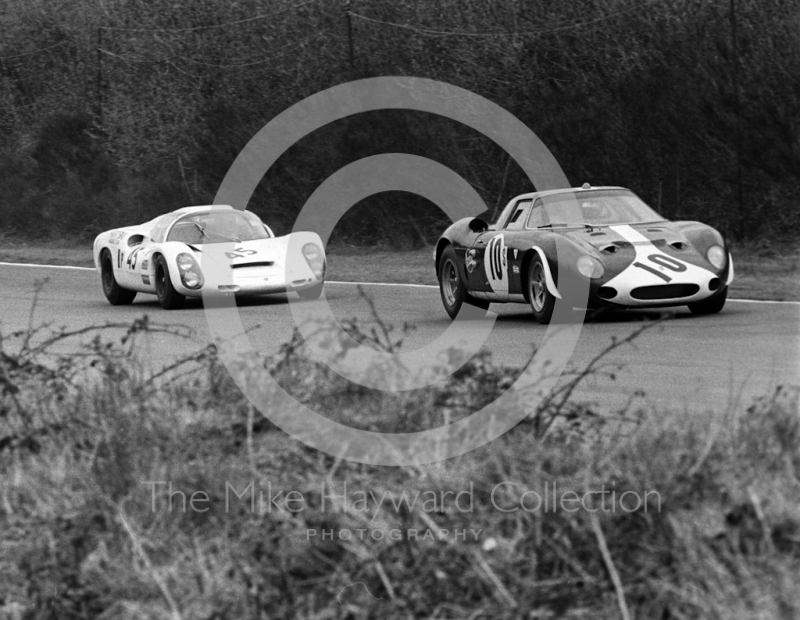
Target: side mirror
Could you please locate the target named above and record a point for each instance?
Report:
(477, 225)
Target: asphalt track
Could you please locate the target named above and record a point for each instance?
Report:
(685, 362)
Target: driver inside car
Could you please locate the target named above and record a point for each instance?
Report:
(227, 226)
(594, 212)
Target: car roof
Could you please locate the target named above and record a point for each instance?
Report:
(195, 209)
(567, 190)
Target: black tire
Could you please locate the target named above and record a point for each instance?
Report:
(712, 305)
(542, 300)
(452, 287)
(312, 292)
(115, 294)
(168, 297)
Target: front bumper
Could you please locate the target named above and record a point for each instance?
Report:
(255, 281)
(702, 285)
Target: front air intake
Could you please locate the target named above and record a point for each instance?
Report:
(607, 292)
(664, 291)
(266, 263)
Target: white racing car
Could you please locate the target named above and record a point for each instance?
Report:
(163, 257)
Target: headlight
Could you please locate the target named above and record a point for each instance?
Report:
(315, 259)
(716, 256)
(590, 267)
(191, 276)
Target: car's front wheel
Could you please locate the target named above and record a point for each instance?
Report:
(168, 297)
(115, 294)
(452, 288)
(712, 305)
(542, 300)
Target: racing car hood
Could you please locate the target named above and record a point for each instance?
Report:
(602, 238)
(688, 240)
(282, 256)
(258, 251)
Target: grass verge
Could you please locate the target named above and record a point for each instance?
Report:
(151, 496)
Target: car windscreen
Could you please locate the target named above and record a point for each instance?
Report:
(218, 227)
(597, 208)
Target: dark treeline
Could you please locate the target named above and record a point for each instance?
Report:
(114, 111)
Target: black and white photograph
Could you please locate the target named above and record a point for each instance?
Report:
(399, 309)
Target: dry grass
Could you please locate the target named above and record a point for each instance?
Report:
(767, 271)
(80, 538)
(13, 250)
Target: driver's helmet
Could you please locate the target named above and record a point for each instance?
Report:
(594, 210)
(224, 223)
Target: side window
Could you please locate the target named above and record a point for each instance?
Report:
(186, 232)
(538, 216)
(519, 215)
(159, 231)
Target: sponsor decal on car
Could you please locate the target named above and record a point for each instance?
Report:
(115, 236)
(469, 261)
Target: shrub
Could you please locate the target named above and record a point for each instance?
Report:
(85, 459)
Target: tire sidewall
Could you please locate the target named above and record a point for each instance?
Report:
(114, 293)
(107, 275)
(712, 305)
(546, 313)
(168, 297)
(449, 258)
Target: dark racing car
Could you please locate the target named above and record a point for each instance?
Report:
(546, 245)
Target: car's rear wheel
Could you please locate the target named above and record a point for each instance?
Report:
(452, 287)
(168, 297)
(115, 294)
(542, 300)
(312, 292)
(711, 305)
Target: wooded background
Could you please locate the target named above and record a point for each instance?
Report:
(114, 111)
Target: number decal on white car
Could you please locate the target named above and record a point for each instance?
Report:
(131, 262)
(239, 252)
(496, 264)
(664, 261)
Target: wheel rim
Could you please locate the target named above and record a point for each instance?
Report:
(538, 289)
(449, 282)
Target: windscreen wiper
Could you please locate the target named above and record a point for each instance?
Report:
(207, 236)
(587, 227)
(202, 230)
